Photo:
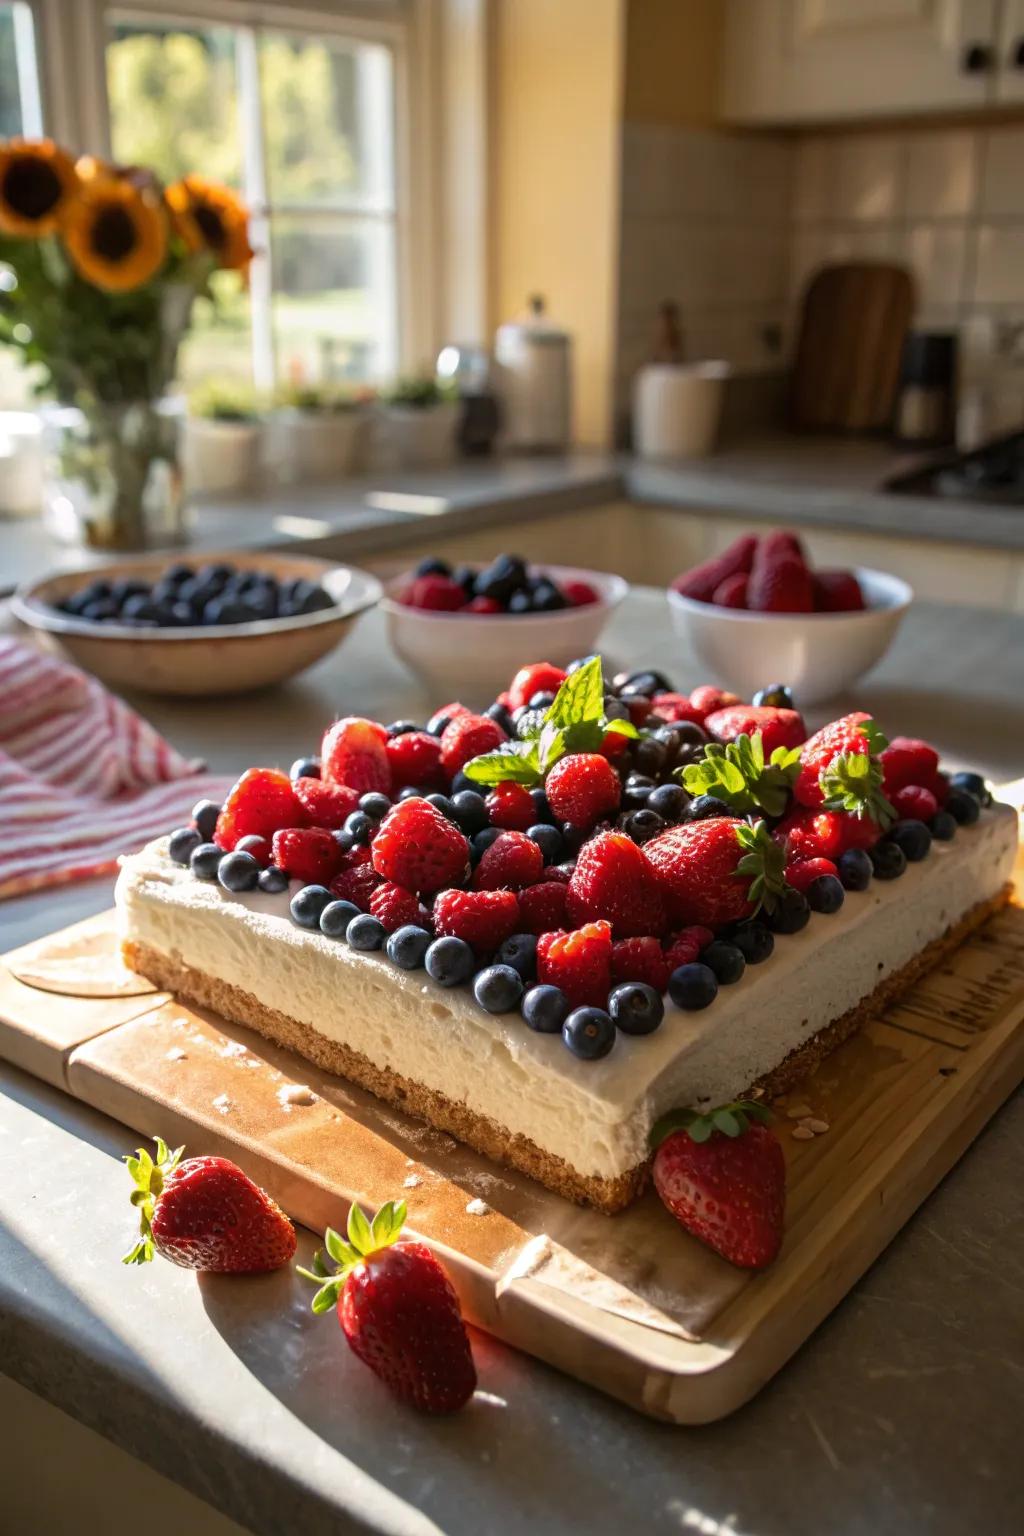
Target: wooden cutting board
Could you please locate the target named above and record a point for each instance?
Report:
(627, 1303)
(853, 324)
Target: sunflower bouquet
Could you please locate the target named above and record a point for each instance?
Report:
(99, 268)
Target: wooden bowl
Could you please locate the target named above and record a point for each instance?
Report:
(231, 658)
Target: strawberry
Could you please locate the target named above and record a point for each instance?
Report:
(640, 959)
(915, 802)
(583, 787)
(356, 884)
(675, 707)
(781, 542)
(724, 1180)
(511, 862)
(907, 760)
(394, 906)
(485, 919)
(538, 677)
(466, 737)
(612, 879)
(542, 906)
(701, 581)
(398, 1310)
(436, 592)
(579, 962)
(715, 871)
(578, 594)
(778, 727)
(837, 592)
(511, 807)
(205, 1213)
(732, 592)
(418, 848)
(801, 873)
(310, 854)
(354, 752)
(706, 699)
(261, 801)
(840, 770)
(415, 758)
(326, 805)
(781, 584)
(809, 834)
(684, 947)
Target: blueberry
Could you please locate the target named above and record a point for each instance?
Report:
(99, 612)
(636, 790)
(401, 727)
(704, 806)
(943, 827)
(546, 598)
(305, 768)
(308, 903)
(888, 861)
(913, 837)
(450, 962)
(204, 860)
(366, 932)
(542, 807)
(436, 724)
(182, 843)
(542, 700)
(470, 811)
(589, 1033)
(574, 837)
(636, 1008)
(646, 680)
(548, 840)
(613, 709)
(520, 602)
(258, 847)
(963, 808)
(651, 756)
(481, 841)
(668, 801)
(344, 840)
(205, 814)
(791, 913)
(580, 661)
(238, 871)
(444, 805)
(407, 946)
(775, 696)
(754, 941)
(693, 986)
(335, 918)
(375, 805)
(359, 827)
(140, 606)
(974, 784)
(432, 566)
(461, 783)
(503, 577)
(498, 988)
(855, 869)
(641, 826)
(410, 792)
(520, 952)
(545, 1009)
(726, 960)
(500, 715)
(825, 894)
(273, 881)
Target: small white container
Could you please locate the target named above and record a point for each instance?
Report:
(677, 408)
(301, 445)
(21, 464)
(533, 376)
(415, 437)
(221, 456)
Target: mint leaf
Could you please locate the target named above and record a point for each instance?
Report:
(622, 728)
(581, 696)
(550, 747)
(515, 763)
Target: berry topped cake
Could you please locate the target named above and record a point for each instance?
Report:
(543, 927)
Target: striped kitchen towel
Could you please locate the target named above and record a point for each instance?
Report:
(83, 778)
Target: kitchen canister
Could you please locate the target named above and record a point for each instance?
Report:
(534, 379)
(677, 408)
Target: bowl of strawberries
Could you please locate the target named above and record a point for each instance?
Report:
(761, 609)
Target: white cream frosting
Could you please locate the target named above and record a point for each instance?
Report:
(596, 1115)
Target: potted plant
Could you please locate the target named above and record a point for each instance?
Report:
(99, 268)
(418, 421)
(313, 432)
(222, 436)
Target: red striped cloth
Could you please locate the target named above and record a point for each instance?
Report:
(83, 778)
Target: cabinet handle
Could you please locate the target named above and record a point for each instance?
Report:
(978, 59)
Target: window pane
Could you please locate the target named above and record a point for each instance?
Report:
(220, 341)
(327, 110)
(10, 94)
(334, 298)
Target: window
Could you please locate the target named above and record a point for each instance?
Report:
(19, 79)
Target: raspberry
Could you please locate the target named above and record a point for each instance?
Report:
(394, 907)
(579, 593)
(542, 907)
(612, 879)
(706, 699)
(356, 885)
(582, 788)
(436, 592)
(326, 805)
(732, 592)
(415, 758)
(684, 947)
(262, 801)
(419, 848)
(359, 854)
(915, 803)
(484, 919)
(466, 737)
(511, 862)
(579, 962)
(907, 760)
(309, 854)
(640, 959)
(354, 753)
(802, 872)
(511, 806)
(538, 677)
(484, 605)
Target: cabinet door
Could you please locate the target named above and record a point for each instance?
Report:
(787, 60)
(1010, 76)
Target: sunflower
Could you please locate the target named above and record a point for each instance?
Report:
(209, 217)
(37, 179)
(115, 233)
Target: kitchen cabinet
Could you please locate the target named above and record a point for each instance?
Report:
(799, 60)
(1010, 53)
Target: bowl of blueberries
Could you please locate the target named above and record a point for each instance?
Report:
(229, 624)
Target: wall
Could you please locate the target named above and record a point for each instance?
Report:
(673, 51)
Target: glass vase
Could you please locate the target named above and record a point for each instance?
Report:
(112, 474)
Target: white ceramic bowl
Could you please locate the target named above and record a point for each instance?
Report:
(817, 655)
(473, 656)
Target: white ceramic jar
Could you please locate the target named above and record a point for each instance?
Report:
(677, 408)
(534, 380)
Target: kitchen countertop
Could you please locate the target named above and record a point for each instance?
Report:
(900, 1414)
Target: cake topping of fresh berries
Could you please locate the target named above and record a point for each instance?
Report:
(261, 801)
(810, 834)
(641, 959)
(683, 948)
(466, 737)
(484, 919)
(512, 862)
(419, 848)
(357, 885)
(706, 699)
(511, 807)
(613, 880)
(354, 752)
(395, 907)
(204, 1213)
(326, 805)
(716, 871)
(538, 677)
(907, 760)
(310, 854)
(398, 1310)
(743, 775)
(777, 727)
(542, 906)
(914, 801)
(578, 963)
(582, 788)
(415, 758)
(840, 769)
(723, 1177)
(802, 873)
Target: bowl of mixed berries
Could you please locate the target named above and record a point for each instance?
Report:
(456, 626)
(760, 608)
